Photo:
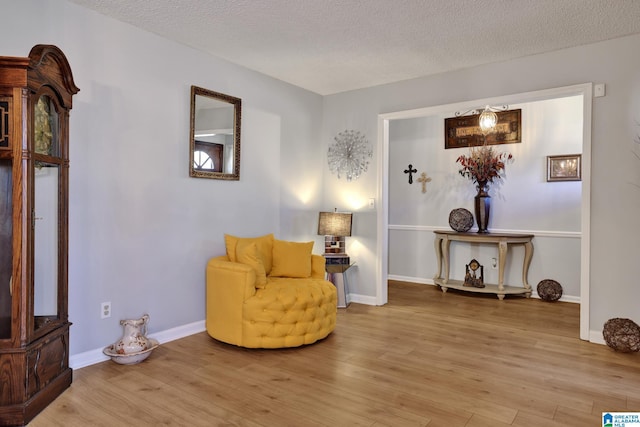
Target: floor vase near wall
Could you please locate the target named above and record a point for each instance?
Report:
(482, 207)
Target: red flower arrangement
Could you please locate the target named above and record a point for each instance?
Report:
(483, 164)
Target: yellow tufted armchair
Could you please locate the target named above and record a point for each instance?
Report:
(268, 293)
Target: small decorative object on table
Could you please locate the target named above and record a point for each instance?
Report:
(622, 335)
(461, 220)
(549, 290)
(134, 346)
(471, 278)
(482, 166)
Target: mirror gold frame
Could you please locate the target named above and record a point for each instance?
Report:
(214, 140)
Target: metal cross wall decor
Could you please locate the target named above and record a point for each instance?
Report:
(423, 180)
(410, 170)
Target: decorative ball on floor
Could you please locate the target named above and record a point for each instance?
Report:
(461, 220)
(549, 290)
(622, 335)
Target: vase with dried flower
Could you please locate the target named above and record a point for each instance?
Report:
(483, 165)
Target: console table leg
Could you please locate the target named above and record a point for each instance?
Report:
(446, 244)
(438, 246)
(528, 254)
(502, 259)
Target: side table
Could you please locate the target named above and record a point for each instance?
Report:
(341, 285)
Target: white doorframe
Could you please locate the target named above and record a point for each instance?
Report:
(585, 89)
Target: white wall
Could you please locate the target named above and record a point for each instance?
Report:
(615, 192)
(141, 230)
(523, 202)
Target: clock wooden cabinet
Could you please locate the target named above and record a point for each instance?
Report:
(35, 100)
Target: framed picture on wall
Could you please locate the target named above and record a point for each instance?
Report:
(564, 168)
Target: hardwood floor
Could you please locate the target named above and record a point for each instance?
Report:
(425, 359)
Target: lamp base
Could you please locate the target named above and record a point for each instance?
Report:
(334, 245)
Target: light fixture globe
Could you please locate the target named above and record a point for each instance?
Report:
(488, 120)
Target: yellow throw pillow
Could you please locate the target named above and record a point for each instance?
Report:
(291, 259)
(247, 253)
(264, 246)
(230, 243)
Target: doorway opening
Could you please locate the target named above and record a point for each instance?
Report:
(386, 122)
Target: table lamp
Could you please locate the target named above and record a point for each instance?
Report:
(334, 226)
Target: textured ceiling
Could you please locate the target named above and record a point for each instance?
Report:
(330, 46)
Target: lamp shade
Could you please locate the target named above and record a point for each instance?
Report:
(334, 224)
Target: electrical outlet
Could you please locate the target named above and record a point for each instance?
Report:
(105, 310)
(494, 263)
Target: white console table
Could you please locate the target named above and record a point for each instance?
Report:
(443, 241)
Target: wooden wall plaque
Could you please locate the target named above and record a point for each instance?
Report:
(464, 131)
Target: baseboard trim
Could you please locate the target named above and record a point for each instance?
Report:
(91, 357)
(362, 299)
(596, 337)
(410, 279)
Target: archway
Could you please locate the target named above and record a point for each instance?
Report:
(384, 120)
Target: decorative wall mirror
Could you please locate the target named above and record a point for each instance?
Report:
(214, 142)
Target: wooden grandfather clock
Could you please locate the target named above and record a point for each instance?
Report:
(35, 99)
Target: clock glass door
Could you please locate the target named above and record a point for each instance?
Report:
(46, 211)
(45, 259)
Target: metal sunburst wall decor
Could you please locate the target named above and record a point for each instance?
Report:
(349, 155)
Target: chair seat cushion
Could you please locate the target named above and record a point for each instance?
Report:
(289, 312)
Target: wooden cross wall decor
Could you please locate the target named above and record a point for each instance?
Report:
(410, 170)
(423, 180)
